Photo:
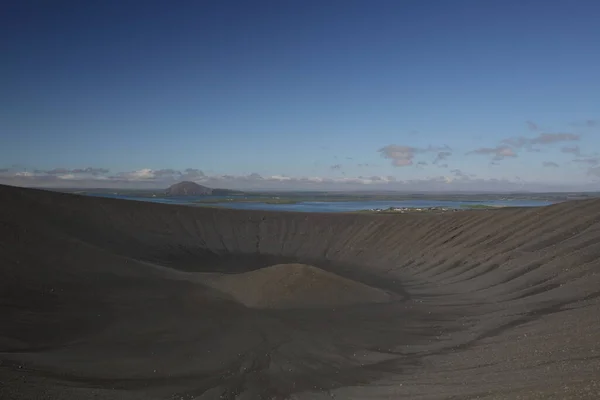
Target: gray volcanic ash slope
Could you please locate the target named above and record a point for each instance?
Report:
(113, 299)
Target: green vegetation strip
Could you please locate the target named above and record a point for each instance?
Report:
(478, 206)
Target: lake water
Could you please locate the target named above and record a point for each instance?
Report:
(338, 206)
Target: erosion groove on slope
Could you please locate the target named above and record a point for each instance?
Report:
(119, 299)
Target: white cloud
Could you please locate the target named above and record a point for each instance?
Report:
(279, 178)
(458, 174)
(590, 123)
(541, 139)
(403, 156)
(588, 161)
(550, 164)
(498, 152)
(571, 150)
(594, 171)
(442, 155)
(147, 178)
(141, 174)
(67, 177)
(532, 126)
(549, 138)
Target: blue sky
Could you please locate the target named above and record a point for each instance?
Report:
(339, 94)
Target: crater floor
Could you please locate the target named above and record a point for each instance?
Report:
(296, 286)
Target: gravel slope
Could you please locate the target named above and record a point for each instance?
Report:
(112, 299)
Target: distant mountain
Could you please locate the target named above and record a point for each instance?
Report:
(187, 188)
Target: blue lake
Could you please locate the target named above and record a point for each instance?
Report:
(338, 206)
(346, 206)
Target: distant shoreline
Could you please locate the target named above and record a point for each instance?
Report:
(293, 197)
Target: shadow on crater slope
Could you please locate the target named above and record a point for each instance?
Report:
(104, 298)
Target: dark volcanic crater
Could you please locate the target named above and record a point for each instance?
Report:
(104, 298)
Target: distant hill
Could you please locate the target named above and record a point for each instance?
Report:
(188, 188)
